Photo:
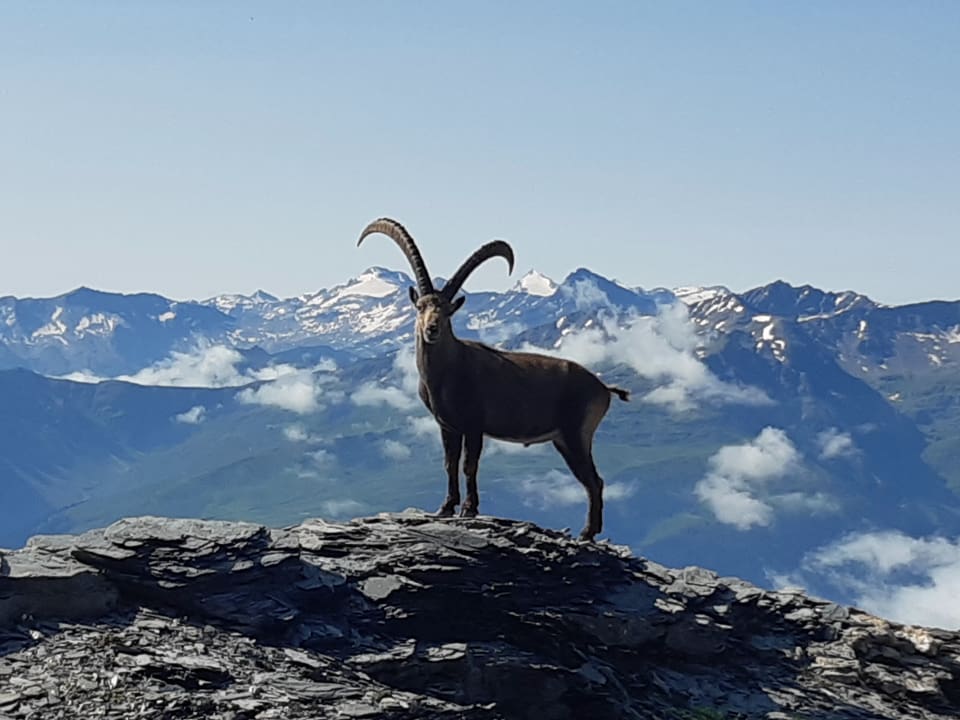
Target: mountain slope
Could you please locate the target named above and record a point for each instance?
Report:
(104, 333)
(761, 426)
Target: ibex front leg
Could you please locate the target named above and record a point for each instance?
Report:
(452, 443)
(471, 465)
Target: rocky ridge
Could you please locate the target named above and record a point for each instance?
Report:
(407, 616)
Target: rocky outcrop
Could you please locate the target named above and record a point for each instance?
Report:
(408, 616)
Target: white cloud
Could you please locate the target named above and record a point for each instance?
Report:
(495, 332)
(492, 446)
(298, 392)
(816, 503)
(395, 450)
(193, 416)
(321, 457)
(771, 455)
(618, 491)
(296, 433)
(405, 362)
(334, 396)
(81, 376)
(739, 472)
(341, 508)
(371, 394)
(894, 575)
(404, 397)
(585, 294)
(272, 372)
(556, 488)
(834, 443)
(424, 426)
(212, 366)
(661, 348)
(731, 502)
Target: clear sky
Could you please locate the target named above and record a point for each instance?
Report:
(194, 148)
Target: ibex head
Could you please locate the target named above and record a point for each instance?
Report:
(435, 308)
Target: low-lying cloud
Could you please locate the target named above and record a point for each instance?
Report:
(194, 416)
(298, 392)
(395, 450)
(207, 366)
(492, 446)
(834, 443)
(661, 348)
(213, 366)
(738, 475)
(403, 397)
(891, 574)
(372, 394)
(341, 508)
(585, 295)
(556, 488)
(298, 433)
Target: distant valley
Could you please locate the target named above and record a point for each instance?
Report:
(784, 434)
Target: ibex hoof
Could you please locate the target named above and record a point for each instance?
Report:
(446, 511)
(468, 511)
(587, 534)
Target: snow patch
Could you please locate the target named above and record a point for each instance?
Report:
(370, 284)
(55, 327)
(535, 283)
(97, 324)
(693, 295)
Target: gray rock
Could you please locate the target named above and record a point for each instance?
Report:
(406, 616)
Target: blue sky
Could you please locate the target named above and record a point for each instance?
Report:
(199, 148)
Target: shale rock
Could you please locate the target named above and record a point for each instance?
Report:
(409, 616)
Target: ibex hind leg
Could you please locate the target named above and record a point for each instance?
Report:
(452, 444)
(473, 444)
(581, 465)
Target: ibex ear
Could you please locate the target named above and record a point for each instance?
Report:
(457, 304)
(413, 295)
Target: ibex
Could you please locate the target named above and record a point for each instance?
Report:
(474, 390)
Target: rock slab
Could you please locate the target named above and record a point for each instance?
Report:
(408, 616)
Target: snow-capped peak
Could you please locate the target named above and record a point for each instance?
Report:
(694, 295)
(375, 282)
(535, 283)
(230, 302)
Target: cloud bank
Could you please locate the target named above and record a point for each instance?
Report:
(661, 348)
(403, 397)
(212, 367)
(891, 574)
(298, 392)
(207, 366)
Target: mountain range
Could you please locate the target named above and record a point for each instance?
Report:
(781, 434)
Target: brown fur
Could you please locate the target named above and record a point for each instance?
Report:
(475, 390)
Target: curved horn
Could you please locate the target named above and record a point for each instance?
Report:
(494, 248)
(398, 233)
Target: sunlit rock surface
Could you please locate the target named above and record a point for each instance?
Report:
(407, 616)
